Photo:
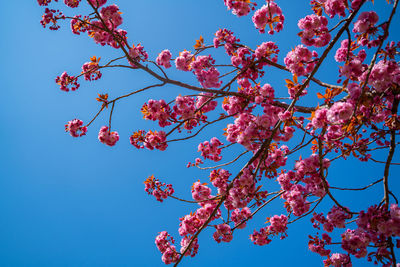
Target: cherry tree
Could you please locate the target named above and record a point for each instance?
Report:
(354, 117)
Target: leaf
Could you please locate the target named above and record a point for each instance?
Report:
(320, 96)
(199, 43)
(295, 78)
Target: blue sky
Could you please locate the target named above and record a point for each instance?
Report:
(77, 202)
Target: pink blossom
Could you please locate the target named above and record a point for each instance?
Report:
(315, 31)
(338, 260)
(200, 191)
(98, 3)
(267, 50)
(107, 137)
(340, 112)
(223, 233)
(112, 16)
(51, 16)
(211, 150)
(260, 238)
(137, 54)
(335, 7)
(239, 7)
(67, 82)
(365, 21)
(240, 216)
(91, 70)
(183, 61)
(158, 189)
(72, 3)
(226, 37)
(44, 2)
(355, 242)
(163, 58)
(164, 244)
(157, 110)
(271, 15)
(194, 247)
(299, 61)
(205, 103)
(74, 127)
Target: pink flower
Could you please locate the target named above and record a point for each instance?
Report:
(107, 137)
(164, 244)
(335, 7)
(158, 189)
(183, 61)
(163, 59)
(271, 15)
(74, 127)
(112, 16)
(211, 150)
(239, 216)
(223, 233)
(98, 3)
(315, 31)
(72, 3)
(137, 54)
(67, 82)
(340, 112)
(51, 16)
(267, 50)
(299, 61)
(365, 21)
(91, 70)
(44, 2)
(239, 7)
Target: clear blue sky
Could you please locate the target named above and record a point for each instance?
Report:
(77, 202)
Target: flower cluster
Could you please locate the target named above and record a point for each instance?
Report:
(211, 150)
(111, 16)
(206, 74)
(158, 189)
(226, 37)
(315, 31)
(105, 31)
(150, 140)
(300, 60)
(157, 111)
(384, 74)
(164, 58)
(79, 25)
(267, 50)
(164, 243)
(365, 27)
(278, 226)
(183, 61)
(239, 7)
(67, 82)
(240, 216)
(137, 54)
(76, 128)
(271, 15)
(51, 16)
(72, 3)
(223, 233)
(45, 2)
(339, 112)
(335, 218)
(91, 70)
(107, 137)
(335, 7)
(204, 102)
(97, 3)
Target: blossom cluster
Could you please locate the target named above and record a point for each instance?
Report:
(158, 189)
